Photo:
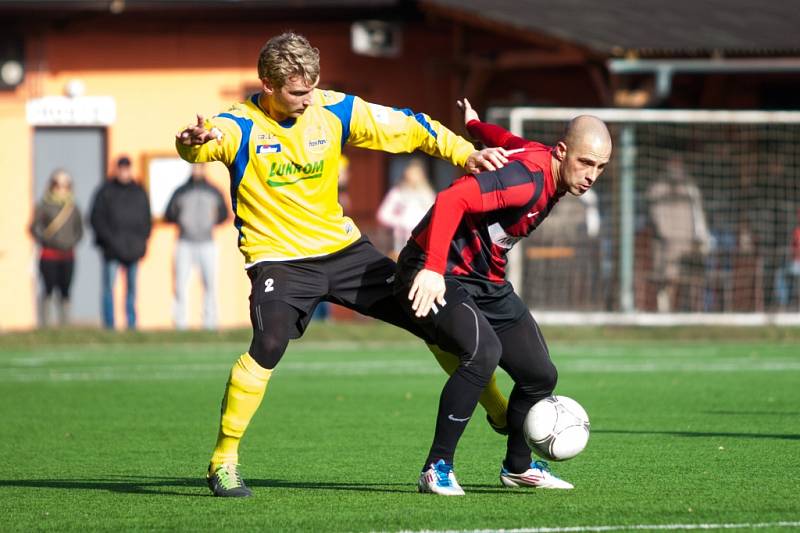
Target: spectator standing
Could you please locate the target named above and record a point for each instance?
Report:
(794, 267)
(120, 218)
(405, 204)
(57, 229)
(682, 239)
(771, 222)
(196, 207)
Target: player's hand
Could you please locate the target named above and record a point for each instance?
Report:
(428, 287)
(197, 134)
(469, 113)
(486, 159)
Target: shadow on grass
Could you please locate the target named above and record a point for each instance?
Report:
(409, 487)
(168, 486)
(331, 485)
(777, 436)
(125, 484)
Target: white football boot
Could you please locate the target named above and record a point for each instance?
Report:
(537, 476)
(439, 479)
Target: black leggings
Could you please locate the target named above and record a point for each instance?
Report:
(519, 348)
(527, 360)
(275, 323)
(461, 329)
(56, 275)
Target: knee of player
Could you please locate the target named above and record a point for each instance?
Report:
(487, 356)
(550, 377)
(541, 380)
(266, 348)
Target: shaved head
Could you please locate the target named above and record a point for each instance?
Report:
(581, 155)
(587, 131)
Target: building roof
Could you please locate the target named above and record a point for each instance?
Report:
(160, 5)
(653, 28)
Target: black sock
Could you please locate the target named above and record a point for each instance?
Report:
(518, 454)
(456, 406)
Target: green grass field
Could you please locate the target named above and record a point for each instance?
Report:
(104, 431)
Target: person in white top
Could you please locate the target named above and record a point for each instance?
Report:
(406, 203)
(682, 239)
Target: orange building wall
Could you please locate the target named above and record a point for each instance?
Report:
(16, 251)
(160, 76)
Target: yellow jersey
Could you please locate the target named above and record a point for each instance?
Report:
(284, 175)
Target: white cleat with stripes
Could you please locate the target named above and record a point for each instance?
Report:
(537, 476)
(439, 479)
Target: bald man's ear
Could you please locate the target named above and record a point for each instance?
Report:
(561, 150)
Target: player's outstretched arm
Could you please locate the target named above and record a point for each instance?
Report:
(401, 130)
(197, 134)
(489, 134)
(469, 113)
(490, 158)
(487, 159)
(194, 145)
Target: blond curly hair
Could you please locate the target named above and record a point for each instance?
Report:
(287, 55)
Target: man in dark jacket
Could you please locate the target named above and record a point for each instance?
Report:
(120, 218)
(196, 207)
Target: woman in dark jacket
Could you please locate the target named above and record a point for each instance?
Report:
(57, 228)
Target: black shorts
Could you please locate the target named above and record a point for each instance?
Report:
(358, 277)
(497, 301)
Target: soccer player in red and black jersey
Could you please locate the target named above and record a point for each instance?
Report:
(451, 280)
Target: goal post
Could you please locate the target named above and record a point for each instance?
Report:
(695, 220)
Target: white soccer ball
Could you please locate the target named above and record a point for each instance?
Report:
(557, 428)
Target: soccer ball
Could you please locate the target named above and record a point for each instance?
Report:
(556, 428)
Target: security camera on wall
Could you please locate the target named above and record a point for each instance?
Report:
(376, 38)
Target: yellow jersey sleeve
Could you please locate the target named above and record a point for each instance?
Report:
(224, 149)
(284, 175)
(394, 130)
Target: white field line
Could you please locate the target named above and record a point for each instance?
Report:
(176, 370)
(634, 527)
(224, 346)
(214, 349)
(605, 367)
(177, 353)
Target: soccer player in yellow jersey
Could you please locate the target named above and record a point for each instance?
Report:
(282, 148)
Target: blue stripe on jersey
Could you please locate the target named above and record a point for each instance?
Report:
(419, 117)
(240, 162)
(515, 173)
(344, 112)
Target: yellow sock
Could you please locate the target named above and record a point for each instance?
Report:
(243, 394)
(491, 398)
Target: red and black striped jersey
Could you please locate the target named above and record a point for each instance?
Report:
(479, 218)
